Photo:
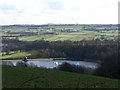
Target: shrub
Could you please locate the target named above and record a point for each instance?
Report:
(21, 63)
(24, 64)
(109, 67)
(32, 65)
(70, 68)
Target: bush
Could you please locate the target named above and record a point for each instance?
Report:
(109, 67)
(21, 63)
(71, 68)
(32, 65)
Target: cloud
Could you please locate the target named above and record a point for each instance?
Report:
(6, 7)
(55, 5)
(10, 9)
(58, 11)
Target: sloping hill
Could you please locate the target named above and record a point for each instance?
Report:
(24, 77)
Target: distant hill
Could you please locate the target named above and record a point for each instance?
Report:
(83, 26)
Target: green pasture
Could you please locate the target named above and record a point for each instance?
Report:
(19, 54)
(24, 77)
(74, 36)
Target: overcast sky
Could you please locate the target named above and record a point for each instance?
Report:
(58, 11)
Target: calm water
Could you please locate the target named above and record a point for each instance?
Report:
(55, 63)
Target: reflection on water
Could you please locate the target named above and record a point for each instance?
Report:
(7, 63)
(52, 64)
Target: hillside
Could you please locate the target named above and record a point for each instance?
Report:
(22, 77)
(60, 32)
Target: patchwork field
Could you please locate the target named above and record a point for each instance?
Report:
(74, 36)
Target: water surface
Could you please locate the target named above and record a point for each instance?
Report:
(55, 63)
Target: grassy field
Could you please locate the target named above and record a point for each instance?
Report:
(23, 77)
(19, 54)
(65, 36)
(22, 54)
(74, 36)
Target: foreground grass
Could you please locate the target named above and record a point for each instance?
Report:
(22, 77)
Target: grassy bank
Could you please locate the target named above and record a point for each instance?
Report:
(19, 54)
(22, 77)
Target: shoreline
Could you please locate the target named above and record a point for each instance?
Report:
(18, 59)
(53, 59)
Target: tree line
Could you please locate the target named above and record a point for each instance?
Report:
(74, 50)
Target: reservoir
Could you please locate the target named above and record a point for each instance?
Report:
(55, 63)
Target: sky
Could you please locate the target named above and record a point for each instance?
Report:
(58, 12)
